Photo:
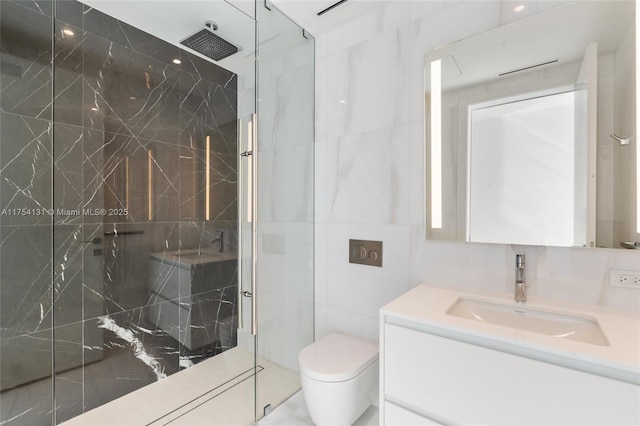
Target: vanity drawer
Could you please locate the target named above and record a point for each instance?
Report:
(168, 280)
(169, 317)
(468, 384)
(396, 415)
(199, 321)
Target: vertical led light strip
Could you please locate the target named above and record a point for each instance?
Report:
(436, 145)
(207, 179)
(150, 183)
(249, 171)
(126, 183)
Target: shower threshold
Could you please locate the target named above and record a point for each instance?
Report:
(218, 391)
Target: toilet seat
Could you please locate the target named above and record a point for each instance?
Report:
(337, 358)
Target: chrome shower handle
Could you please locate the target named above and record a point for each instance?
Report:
(254, 222)
(251, 155)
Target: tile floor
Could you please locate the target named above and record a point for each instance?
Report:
(107, 375)
(293, 412)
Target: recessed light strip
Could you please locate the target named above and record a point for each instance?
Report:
(150, 165)
(207, 183)
(333, 6)
(436, 144)
(528, 68)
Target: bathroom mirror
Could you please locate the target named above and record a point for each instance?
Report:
(530, 131)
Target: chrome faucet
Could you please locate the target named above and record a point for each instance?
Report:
(521, 287)
(219, 239)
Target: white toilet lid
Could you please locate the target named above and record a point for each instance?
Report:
(336, 358)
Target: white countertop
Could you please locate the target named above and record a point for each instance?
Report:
(193, 257)
(426, 307)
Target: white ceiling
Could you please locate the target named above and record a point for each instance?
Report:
(304, 12)
(174, 20)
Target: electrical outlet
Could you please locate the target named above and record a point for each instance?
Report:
(626, 279)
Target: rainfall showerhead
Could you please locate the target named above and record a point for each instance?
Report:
(209, 44)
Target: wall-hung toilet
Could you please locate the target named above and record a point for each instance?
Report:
(339, 377)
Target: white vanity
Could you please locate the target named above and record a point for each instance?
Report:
(458, 357)
(193, 295)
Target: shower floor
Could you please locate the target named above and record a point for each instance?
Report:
(218, 391)
(117, 373)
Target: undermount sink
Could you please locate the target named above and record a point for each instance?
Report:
(561, 325)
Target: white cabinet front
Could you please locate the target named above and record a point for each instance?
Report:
(396, 415)
(461, 383)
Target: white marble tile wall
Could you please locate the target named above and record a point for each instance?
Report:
(369, 172)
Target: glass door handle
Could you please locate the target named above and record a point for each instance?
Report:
(254, 221)
(251, 215)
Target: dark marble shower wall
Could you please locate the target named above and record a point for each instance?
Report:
(126, 132)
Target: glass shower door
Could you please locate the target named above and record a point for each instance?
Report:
(160, 153)
(285, 269)
(131, 222)
(121, 148)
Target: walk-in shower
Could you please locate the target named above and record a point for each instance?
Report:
(131, 226)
